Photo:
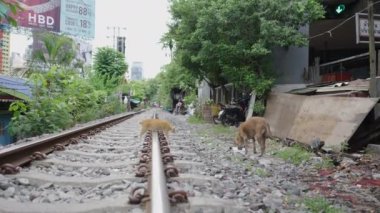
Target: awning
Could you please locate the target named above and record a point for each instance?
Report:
(15, 87)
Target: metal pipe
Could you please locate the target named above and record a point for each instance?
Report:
(159, 202)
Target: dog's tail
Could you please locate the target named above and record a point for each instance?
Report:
(268, 133)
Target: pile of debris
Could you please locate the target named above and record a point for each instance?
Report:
(356, 88)
(355, 182)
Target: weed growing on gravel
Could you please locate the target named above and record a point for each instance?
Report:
(261, 172)
(220, 129)
(203, 133)
(295, 154)
(237, 159)
(326, 163)
(248, 167)
(195, 120)
(320, 204)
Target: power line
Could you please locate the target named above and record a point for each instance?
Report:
(340, 24)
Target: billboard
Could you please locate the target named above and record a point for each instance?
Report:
(78, 18)
(43, 14)
(362, 31)
(74, 17)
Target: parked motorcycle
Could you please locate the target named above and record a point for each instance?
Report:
(233, 114)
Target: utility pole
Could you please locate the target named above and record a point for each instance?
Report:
(372, 52)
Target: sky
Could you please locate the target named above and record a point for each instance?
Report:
(142, 22)
(145, 22)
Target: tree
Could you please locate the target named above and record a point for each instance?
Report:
(57, 50)
(110, 65)
(172, 76)
(231, 41)
(151, 88)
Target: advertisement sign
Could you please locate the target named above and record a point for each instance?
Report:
(362, 31)
(78, 18)
(43, 14)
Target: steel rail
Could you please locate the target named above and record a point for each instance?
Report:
(159, 200)
(19, 155)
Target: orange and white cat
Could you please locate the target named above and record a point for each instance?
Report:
(156, 125)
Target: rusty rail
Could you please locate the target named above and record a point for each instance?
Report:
(12, 158)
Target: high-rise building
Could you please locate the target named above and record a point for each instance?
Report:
(84, 51)
(4, 50)
(18, 65)
(137, 71)
(121, 44)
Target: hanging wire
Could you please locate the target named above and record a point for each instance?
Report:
(340, 24)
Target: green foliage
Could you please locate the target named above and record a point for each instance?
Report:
(261, 172)
(320, 204)
(60, 99)
(56, 50)
(7, 8)
(110, 66)
(259, 108)
(137, 89)
(111, 106)
(295, 154)
(229, 40)
(44, 116)
(151, 88)
(191, 98)
(195, 120)
(222, 130)
(326, 163)
(174, 76)
(344, 146)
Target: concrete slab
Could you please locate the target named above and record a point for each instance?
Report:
(304, 118)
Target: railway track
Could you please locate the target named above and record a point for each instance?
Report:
(98, 172)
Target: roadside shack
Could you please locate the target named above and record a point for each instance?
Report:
(11, 89)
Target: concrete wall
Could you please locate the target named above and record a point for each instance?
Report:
(289, 63)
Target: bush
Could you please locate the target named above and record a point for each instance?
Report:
(60, 100)
(259, 108)
(44, 116)
(112, 106)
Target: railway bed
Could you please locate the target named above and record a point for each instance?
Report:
(98, 174)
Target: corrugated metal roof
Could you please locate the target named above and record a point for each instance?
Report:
(17, 87)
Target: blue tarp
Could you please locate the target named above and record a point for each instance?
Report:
(16, 84)
(135, 101)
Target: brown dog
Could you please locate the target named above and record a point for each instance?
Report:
(156, 125)
(255, 128)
